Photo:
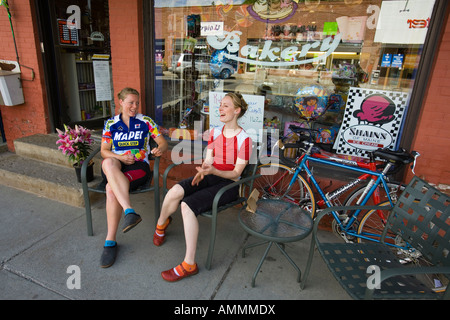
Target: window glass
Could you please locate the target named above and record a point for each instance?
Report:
(344, 68)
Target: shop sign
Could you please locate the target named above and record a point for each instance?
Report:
(397, 60)
(211, 28)
(386, 61)
(404, 22)
(273, 56)
(372, 120)
(67, 36)
(367, 137)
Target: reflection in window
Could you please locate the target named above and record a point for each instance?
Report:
(282, 49)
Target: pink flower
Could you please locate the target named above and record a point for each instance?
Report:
(75, 143)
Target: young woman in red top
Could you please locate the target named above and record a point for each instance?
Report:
(228, 152)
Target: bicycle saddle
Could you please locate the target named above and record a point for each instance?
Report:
(400, 155)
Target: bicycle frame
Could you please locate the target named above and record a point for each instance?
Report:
(372, 166)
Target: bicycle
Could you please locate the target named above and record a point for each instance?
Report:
(284, 181)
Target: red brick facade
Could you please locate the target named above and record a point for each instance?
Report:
(32, 116)
(127, 51)
(432, 137)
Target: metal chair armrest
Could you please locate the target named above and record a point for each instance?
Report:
(166, 173)
(389, 273)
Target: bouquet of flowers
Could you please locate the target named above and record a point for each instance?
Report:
(75, 143)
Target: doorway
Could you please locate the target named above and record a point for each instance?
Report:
(77, 91)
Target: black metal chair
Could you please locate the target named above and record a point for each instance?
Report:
(420, 217)
(152, 185)
(246, 186)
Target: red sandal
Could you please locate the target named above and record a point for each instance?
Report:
(172, 275)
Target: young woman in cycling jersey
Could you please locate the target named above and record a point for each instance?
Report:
(125, 149)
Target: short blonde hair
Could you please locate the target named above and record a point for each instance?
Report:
(122, 95)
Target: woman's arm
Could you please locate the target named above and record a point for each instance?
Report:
(162, 146)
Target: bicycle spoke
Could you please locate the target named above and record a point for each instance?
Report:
(274, 183)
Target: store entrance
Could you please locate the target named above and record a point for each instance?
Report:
(76, 52)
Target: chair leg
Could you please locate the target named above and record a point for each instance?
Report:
(157, 203)
(157, 190)
(308, 264)
(87, 205)
(211, 241)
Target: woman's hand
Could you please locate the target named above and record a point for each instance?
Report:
(156, 152)
(202, 171)
(127, 158)
(197, 178)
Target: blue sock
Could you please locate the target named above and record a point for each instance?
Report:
(110, 243)
(129, 210)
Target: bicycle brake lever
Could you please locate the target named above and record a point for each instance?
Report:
(415, 154)
(280, 144)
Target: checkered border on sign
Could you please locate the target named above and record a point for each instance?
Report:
(358, 94)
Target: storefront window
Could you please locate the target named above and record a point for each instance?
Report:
(344, 68)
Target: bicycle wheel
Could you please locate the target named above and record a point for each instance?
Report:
(274, 184)
(395, 190)
(372, 226)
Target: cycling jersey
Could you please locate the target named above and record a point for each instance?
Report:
(134, 140)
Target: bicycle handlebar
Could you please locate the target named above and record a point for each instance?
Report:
(306, 142)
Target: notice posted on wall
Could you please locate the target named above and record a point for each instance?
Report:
(252, 121)
(372, 119)
(102, 79)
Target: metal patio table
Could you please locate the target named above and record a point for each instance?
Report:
(275, 221)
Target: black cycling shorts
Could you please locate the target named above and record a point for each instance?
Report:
(200, 198)
(138, 174)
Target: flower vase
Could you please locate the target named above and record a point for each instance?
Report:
(89, 172)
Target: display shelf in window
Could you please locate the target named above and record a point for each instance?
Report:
(80, 91)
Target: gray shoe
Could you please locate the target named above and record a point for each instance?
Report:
(108, 256)
(130, 221)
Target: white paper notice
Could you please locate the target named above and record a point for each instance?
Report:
(404, 22)
(102, 78)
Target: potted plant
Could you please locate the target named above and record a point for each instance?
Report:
(76, 144)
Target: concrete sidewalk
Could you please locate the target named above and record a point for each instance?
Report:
(40, 239)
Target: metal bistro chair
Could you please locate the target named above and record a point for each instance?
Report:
(152, 185)
(420, 217)
(246, 183)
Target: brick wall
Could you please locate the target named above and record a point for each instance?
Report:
(127, 51)
(432, 136)
(32, 116)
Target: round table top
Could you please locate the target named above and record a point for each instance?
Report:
(277, 220)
